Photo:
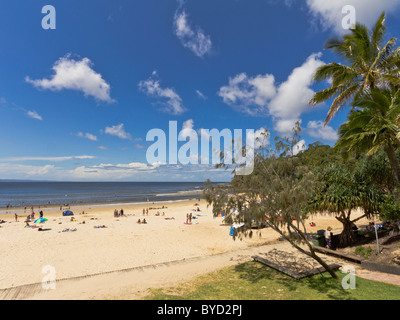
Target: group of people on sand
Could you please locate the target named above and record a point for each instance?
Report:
(142, 222)
(119, 213)
(189, 218)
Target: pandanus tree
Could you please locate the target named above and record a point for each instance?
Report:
(276, 193)
(373, 125)
(340, 190)
(368, 62)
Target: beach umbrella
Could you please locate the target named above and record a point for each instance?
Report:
(68, 213)
(40, 220)
(221, 214)
(196, 204)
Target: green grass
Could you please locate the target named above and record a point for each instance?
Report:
(255, 281)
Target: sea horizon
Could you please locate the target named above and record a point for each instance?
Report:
(20, 194)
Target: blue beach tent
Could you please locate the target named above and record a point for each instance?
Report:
(68, 213)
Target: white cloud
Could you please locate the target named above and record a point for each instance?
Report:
(285, 126)
(201, 95)
(87, 136)
(187, 127)
(75, 75)
(260, 96)
(299, 147)
(118, 131)
(134, 171)
(317, 129)
(53, 159)
(195, 40)
(34, 115)
(329, 13)
(169, 98)
(293, 95)
(261, 139)
(249, 95)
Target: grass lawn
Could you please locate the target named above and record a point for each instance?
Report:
(255, 281)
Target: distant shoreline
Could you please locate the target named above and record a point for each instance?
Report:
(16, 197)
(90, 205)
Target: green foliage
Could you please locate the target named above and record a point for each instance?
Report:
(253, 281)
(365, 252)
(373, 126)
(368, 63)
(390, 207)
(342, 189)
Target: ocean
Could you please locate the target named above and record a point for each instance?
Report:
(21, 194)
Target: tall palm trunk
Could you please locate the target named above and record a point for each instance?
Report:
(394, 164)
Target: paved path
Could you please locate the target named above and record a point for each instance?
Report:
(134, 283)
(378, 276)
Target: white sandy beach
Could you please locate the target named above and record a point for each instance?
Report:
(124, 244)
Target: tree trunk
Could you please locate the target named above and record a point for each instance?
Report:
(311, 253)
(347, 237)
(394, 164)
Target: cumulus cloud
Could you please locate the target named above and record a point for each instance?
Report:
(195, 40)
(249, 94)
(87, 136)
(166, 96)
(118, 131)
(135, 171)
(76, 75)
(34, 115)
(316, 129)
(261, 96)
(299, 147)
(52, 159)
(329, 13)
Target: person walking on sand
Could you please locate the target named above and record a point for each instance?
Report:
(328, 237)
(16, 218)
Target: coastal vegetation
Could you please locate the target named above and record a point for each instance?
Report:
(361, 171)
(255, 281)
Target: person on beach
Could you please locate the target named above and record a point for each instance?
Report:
(41, 214)
(27, 220)
(328, 237)
(139, 221)
(16, 218)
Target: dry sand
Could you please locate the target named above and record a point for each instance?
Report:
(142, 250)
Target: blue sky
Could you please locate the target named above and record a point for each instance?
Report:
(77, 101)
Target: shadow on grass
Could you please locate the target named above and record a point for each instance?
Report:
(322, 284)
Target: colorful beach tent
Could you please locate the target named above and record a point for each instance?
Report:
(221, 214)
(196, 204)
(68, 213)
(40, 220)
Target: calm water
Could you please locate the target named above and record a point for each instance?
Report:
(57, 193)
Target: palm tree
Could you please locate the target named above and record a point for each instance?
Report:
(369, 63)
(374, 125)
